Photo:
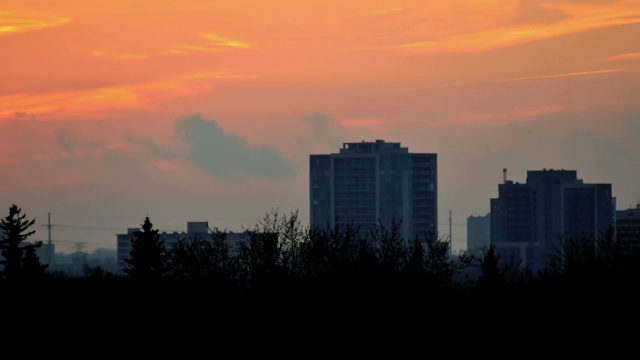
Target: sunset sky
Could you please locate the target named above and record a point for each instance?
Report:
(111, 111)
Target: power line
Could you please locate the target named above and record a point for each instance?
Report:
(90, 242)
(81, 227)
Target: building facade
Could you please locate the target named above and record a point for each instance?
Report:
(478, 234)
(628, 223)
(367, 183)
(531, 221)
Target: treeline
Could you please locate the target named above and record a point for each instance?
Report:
(282, 260)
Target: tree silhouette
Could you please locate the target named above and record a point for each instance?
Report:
(388, 246)
(270, 258)
(492, 278)
(32, 268)
(15, 230)
(148, 257)
(440, 266)
(195, 260)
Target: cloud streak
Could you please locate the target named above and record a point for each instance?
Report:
(16, 21)
(557, 76)
(214, 43)
(223, 41)
(138, 95)
(565, 19)
(516, 79)
(618, 57)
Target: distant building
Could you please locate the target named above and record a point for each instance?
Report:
(367, 182)
(628, 223)
(200, 228)
(530, 221)
(46, 253)
(478, 234)
(80, 263)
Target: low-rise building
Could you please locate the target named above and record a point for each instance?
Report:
(199, 228)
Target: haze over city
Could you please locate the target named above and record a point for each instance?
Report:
(209, 110)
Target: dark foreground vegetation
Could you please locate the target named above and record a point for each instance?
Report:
(286, 272)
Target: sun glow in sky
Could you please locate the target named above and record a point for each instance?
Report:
(208, 110)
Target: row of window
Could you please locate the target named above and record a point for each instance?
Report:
(360, 179)
(354, 162)
(371, 202)
(353, 193)
(354, 171)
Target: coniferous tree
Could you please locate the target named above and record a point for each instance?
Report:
(148, 259)
(492, 278)
(32, 268)
(15, 230)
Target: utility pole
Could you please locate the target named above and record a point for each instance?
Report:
(49, 226)
(50, 245)
(450, 236)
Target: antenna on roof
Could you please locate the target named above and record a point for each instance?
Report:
(504, 175)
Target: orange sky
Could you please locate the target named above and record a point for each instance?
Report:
(108, 108)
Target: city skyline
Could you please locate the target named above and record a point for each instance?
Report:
(208, 111)
(69, 246)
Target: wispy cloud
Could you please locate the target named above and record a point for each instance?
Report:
(222, 41)
(15, 21)
(516, 79)
(187, 48)
(556, 76)
(618, 57)
(576, 18)
(213, 43)
(512, 114)
(137, 95)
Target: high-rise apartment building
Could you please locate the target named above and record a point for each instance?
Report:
(530, 221)
(367, 182)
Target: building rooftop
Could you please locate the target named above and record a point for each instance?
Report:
(370, 147)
